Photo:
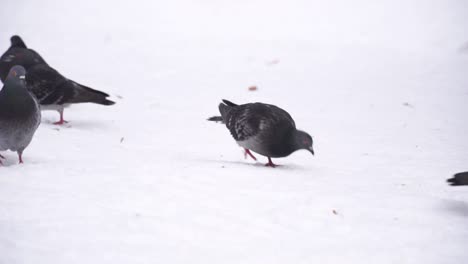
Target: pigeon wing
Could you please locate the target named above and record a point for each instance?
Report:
(49, 86)
(249, 120)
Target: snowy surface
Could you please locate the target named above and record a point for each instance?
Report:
(382, 86)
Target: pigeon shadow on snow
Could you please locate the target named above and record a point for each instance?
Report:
(456, 207)
(29, 158)
(9, 161)
(464, 48)
(79, 124)
(258, 164)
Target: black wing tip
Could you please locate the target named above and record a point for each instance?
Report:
(89, 89)
(453, 181)
(459, 179)
(216, 119)
(107, 102)
(98, 97)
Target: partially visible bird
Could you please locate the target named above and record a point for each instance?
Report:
(55, 92)
(459, 179)
(263, 128)
(18, 54)
(19, 113)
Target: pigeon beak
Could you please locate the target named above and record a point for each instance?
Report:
(311, 150)
(22, 77)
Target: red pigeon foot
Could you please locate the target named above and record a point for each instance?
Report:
(247, 152)
(270, 163)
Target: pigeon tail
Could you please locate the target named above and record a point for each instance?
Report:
(89, 95)
(459, 179)
(223, 109)
(216, 119)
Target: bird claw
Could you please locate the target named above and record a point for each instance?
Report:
(61, 122)
(247, 152)
(270, 163)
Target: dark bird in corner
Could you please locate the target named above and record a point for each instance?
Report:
(459, 179)
(52, 90)
(263, 128)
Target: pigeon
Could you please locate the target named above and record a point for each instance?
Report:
(459, 179)
(55, 92)
(263, 128)
(18, 54)
(20, 113)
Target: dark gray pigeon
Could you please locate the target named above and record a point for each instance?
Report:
(55, 92)
(265, 129)
(19, 113)
(18, 54)
(459, 179)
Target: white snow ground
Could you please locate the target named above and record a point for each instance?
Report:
(381, 85)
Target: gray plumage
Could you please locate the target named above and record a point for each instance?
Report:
(19, 113)
(263, 128)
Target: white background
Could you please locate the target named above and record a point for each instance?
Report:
(382, 86)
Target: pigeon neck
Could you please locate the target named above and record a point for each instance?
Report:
(294, 140)
(289, 144)
(13, 87)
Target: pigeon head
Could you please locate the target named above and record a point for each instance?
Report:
(17, 72)
(17, 42)
(14, 88)
(16, 75)
(302, 140)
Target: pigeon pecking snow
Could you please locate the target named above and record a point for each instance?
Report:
(265, 129)
(18, 54)
(19, 113)
(53, 91)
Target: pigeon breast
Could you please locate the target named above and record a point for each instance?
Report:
(19, 116)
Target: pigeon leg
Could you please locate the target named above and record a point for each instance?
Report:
(20, 156)
(61, 121)
(270, 163)
(1, 157)
(247, 152)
